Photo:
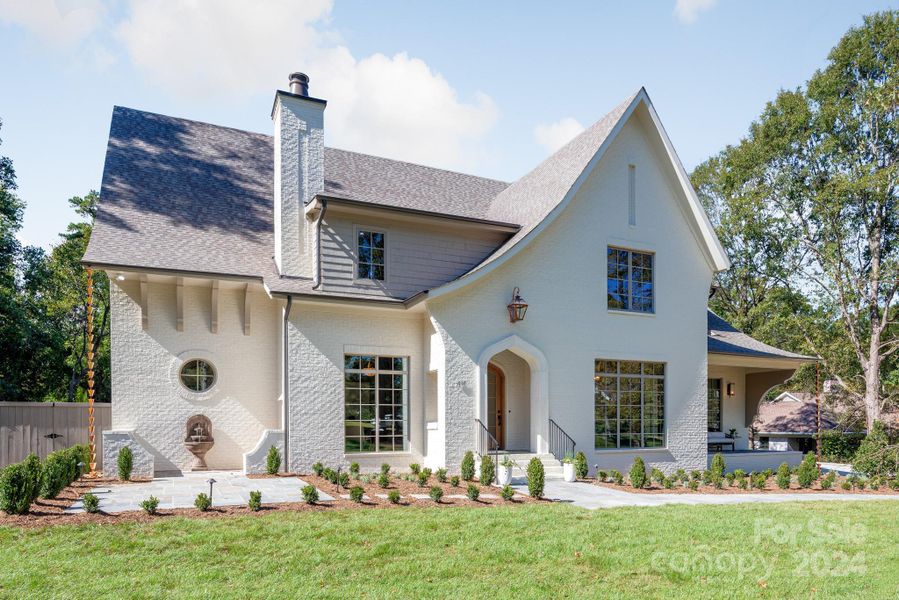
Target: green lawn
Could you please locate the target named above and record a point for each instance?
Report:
(824, 550)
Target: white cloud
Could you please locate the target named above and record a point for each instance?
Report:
(687, 11)
(553, 136)
(393, 106)
(61, 23)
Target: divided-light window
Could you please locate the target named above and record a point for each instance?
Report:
(630, 280)
(376, 399)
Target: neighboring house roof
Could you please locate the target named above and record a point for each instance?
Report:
(724, 338)
(792, 413)
(541, 195)
(181, 195)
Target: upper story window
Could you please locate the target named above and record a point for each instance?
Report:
(370, 248)
(630, 280)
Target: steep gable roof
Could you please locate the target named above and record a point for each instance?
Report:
(540, 196)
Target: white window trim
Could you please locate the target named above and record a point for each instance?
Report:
(364, 281)
(187, 394)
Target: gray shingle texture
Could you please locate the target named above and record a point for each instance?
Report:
(724, 338)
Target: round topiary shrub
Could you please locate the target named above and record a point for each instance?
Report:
(473, 492)
(310, 494)
(507, 493)
(91, 503)
(536, 478)
(356, 493)
(436, 493)
(203, 502)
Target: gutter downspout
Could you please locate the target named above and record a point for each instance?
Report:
(317, 274)
(284, 369)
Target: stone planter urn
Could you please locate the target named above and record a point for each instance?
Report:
(568, 472)
(504, 475)
(199, 440)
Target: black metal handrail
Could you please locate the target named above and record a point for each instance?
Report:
(560, 443)
(487, 443)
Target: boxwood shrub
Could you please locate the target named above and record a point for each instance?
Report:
(581, 469)
(536, 478)
(473, 492)
(310, 494)
(467, 467)
(125, 463)
(91, 503)
(488, 470)
(203, 502)
(272, 461)
(638, 473)
(436, 494)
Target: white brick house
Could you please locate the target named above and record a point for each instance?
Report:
(360, 304)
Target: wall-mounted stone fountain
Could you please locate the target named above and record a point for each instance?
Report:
(199, 440)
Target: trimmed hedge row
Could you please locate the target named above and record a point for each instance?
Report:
(22, 483)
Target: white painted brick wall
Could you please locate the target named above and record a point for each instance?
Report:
(299, 175)
(146, 396)
(318, 339)
(562, 275)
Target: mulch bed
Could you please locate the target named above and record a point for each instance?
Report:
(771, 487)
(407, 488)
(46, 513)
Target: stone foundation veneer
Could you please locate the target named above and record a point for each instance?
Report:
(256, 460)
(113, 442)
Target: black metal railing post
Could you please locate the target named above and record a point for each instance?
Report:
(560, 443)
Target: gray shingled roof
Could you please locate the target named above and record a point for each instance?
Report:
(529, 200)
(188, 196)
(399, 184)
(724, 338)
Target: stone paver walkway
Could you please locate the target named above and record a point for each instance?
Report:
(591, 496)
(231, 488)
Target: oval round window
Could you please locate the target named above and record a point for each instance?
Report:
(197, 375)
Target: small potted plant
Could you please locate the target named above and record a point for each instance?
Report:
(568, 468)
(504, 474)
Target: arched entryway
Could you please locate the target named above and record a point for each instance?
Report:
(512, 401)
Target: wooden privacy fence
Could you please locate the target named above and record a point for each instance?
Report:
(42, 427)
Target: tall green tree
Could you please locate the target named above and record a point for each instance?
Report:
(807, 204)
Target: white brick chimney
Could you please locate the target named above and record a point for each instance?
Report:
(299, 173)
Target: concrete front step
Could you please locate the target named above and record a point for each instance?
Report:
(552, 467)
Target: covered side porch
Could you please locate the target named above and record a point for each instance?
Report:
(741, 371)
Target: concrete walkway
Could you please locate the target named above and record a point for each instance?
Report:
(232, 488)
(591, 496)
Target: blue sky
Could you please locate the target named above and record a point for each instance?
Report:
(487, 88)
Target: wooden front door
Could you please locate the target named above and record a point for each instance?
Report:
(496, 404)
